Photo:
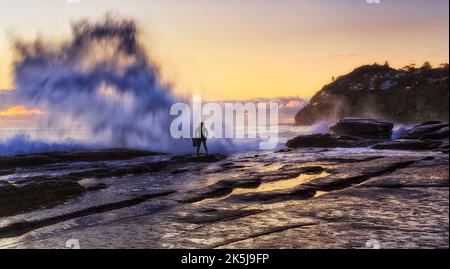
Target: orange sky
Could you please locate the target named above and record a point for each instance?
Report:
(17, 116)
(245, 49)
(19, 110)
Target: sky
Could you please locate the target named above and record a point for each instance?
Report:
(243, 49)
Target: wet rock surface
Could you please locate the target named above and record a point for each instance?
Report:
(364, 128)
(356, 132)
(33, 195)
(29, 193)
(346, 133)
(405, 144)
(301, 198)
(431, 135)
(328, 141)
(75, 156)
(427, 130)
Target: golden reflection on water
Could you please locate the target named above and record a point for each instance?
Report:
(320, 193)
(284, 184)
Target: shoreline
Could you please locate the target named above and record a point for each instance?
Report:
(206, 201)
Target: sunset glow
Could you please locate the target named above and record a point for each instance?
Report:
(20, 111)
(247, 49)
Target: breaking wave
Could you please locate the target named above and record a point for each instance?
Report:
(100, 79)
(22, 144)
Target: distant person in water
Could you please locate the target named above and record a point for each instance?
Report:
(201, 135)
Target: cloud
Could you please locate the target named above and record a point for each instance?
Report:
(346, 55)
(13, 115)
(292, 104)
(287, 106)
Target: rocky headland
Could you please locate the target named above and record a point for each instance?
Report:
(409, 95)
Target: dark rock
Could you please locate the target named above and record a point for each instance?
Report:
(444, 144)
(349, 160)
(301, 170)
(328, 141)
(274, 196)
(211, 216)
(139, 169)
(440, 134)
(419, 175)
(409, 145)
(97, 187)
(22, 227)
(32, 195)
(427, 130)
(6, 189)
(30, 160)
(365, 128)
(220, 189)
(430, 122)
(198, 159)
(283, 150)
(180, 171)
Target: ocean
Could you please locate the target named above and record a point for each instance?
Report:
(34, 140)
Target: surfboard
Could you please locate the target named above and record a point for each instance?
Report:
(196, 142)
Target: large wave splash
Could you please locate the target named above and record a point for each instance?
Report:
(101, 79)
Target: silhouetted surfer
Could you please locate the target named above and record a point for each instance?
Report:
(200, 138)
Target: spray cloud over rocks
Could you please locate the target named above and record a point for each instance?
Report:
(100, 79)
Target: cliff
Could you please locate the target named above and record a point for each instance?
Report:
(407, 95)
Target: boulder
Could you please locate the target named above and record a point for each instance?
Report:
(328, 141)
(211, 158)
(412, 144)
(427, 130)
(32, 195)
(438, 135)
(364, 128)
(37, 159)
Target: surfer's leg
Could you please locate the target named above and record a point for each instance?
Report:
(204, 145)
(198, 149)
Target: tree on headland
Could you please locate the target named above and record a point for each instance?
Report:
(409, 68)
(426, 65)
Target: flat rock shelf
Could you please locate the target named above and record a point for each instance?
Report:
(297, 198)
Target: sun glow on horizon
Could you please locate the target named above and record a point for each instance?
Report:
(20, 111)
